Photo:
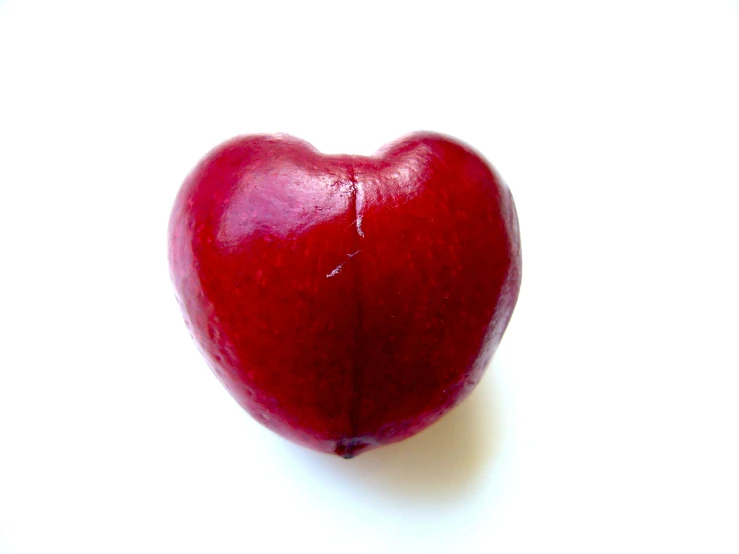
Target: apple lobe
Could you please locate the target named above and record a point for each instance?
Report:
(345, 302)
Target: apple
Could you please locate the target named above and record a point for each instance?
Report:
(346, 302)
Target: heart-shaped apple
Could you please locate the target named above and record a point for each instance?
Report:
(346, 302)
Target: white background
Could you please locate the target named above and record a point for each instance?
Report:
(608, 421)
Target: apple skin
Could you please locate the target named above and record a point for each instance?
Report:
(345, 302)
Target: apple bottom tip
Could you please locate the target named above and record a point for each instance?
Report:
(350, 448)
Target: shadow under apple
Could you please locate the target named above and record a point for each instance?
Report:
(439, 464)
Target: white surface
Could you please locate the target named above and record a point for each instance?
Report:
(608, 421)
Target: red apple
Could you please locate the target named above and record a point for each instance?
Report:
(346, 302)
